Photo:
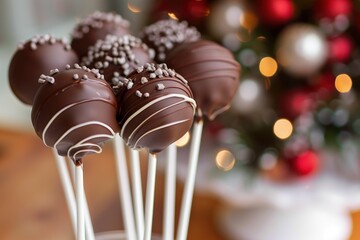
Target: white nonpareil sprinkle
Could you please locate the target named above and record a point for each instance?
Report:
(75, 76)
(33, 46)
(138, 93)
(97, 20)
(129, 85)
(144, 80)
(158, 72)
(140, 69)
(20, 46)
(54, 71)
(165, 34)
(114, 50)
(146, 95)
(48, 79)
(160, 86)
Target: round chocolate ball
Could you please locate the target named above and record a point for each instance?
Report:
(38, 55)
(74, 111)
(94, 27)
(116, 57)
(156, 107)
(165, 35)
(212, 72)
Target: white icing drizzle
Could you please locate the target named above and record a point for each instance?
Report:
(91, 137)
(217, 112)
(143, 122)
(185, 98)
(83, 125)
(158, 128)
(81, 144)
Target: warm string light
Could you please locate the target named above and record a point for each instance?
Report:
(268, 66)
(283, 128)
(225, 160)
(343, 83)
(248, 20)
(173, 16)
(133, 8)
(183, 141)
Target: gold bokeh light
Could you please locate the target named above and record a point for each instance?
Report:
(343, 83)
(283, 128)
(183, 140)
(248, 20)
(268, 66)
(225, 160)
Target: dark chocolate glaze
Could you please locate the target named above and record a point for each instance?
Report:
(94, 27)
(116, 57)
(75, 98)
(212, 72)
(37, 56)
(156, 107)
(164, 35)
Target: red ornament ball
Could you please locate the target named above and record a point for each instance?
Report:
(196, 9)
(340, 48)
(323, 86)
(306, 163)
(275, 12)
(295, 102)
(332, 8)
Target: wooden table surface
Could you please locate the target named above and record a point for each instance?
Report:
(32, 204)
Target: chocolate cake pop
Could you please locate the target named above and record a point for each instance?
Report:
(212, 72)
(94, 27)
(165, 35)
(116, 57)
(156, 107)
(74, 111)
(38, 55)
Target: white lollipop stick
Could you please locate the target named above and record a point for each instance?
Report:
(89, 229)
(190, 182)
(68, 188)
(124, 188)
(170, 186)
(79, 186)
(150, 194)
(137, 191)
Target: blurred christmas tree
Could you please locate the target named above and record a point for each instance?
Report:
(298, 95)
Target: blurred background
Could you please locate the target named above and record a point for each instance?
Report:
(283, 163)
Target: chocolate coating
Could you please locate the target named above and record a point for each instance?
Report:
(116, 57)
(38, 55)
(212, 72)
(156, 107)
(75, 112)
(94, 27)
(165, 35)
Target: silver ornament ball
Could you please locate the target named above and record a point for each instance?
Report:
(301, 49)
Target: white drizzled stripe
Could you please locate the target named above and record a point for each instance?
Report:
(81, 144)
(83, 125)
(217, 112)
(158, 128)
(187, 99)
(142, 123)
(85, 150)
(58, 113)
